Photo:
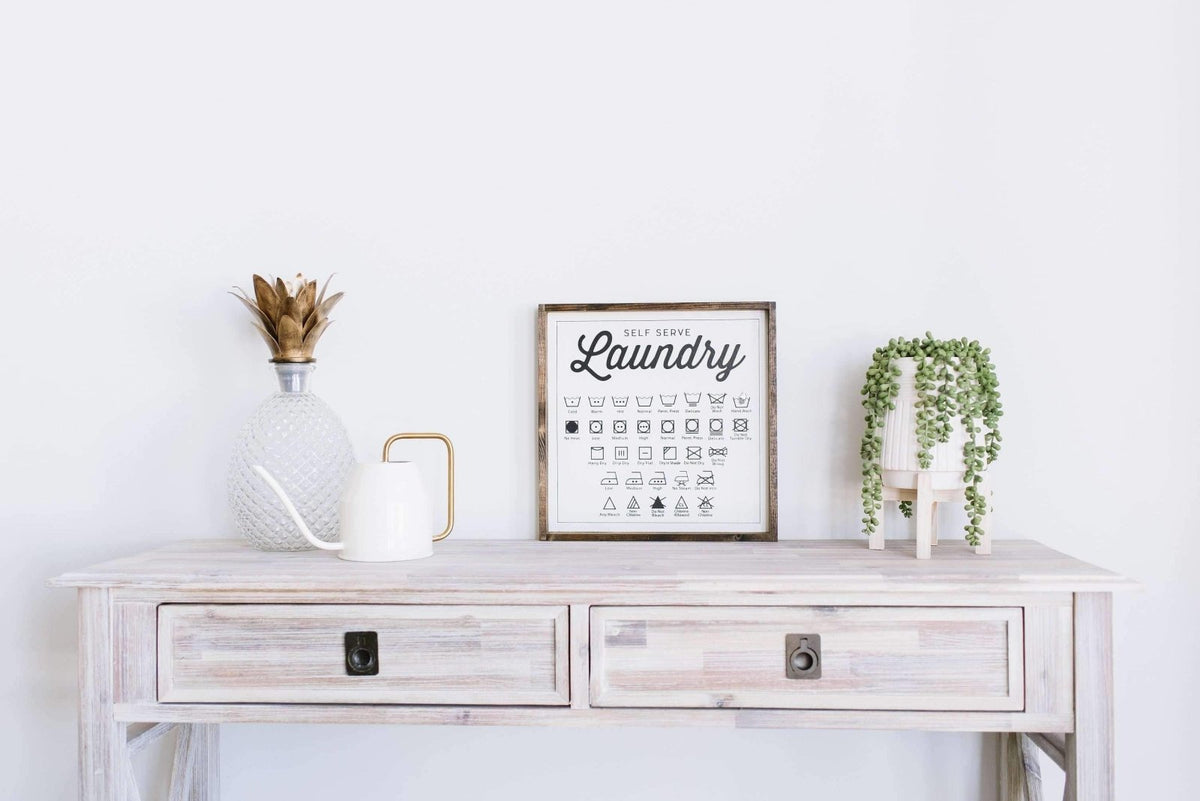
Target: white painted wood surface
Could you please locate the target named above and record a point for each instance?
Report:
(1089, 748)
(599, 572)
(103, 762)
(880, 658)
(295, 654)
(225, 605)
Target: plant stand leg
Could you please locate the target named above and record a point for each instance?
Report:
(923, 508)
(984, 548)
(933, 525)
(1089, 749)
(875, 541)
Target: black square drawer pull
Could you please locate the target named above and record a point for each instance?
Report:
(362, 653)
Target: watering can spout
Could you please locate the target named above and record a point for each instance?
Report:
(291, 510)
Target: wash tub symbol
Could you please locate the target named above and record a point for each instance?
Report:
(595, 401)
(572, 401)
(716, 400)
(668, 400)
(692, 398)
(634, 480)
(644, 401)
(621, 402)
(609, 480)
(741, 401)
(659, 479)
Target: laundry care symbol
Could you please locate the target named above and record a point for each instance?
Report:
(596, 401)
(681, 505)
(657, 503)
(643, 426)
(691, 425)
(741, 425)
(668, 400)
(572, 426)
(609, 506)
(620, 402)
(716, 425)
(633, 505)
(716, 400)
(741, 401)
(618, 426)
(705, 479)
(621, 453)
(692, 398)
(693, 452)
(572, 401)
(597, 454)
(644, 401)
(706, 504)
(596, 426)
(718, 451)
(668, 426)
(670, 453)
(645, 453)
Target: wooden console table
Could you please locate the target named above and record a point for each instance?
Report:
(812, 634)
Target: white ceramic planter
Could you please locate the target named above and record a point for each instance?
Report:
(898, 457)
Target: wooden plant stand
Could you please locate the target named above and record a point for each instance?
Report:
(925, 500)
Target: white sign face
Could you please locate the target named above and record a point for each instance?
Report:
(657, 422)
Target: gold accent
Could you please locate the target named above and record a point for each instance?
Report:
(387, 447)
(290, 317)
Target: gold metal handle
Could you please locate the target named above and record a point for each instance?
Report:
(387, 447)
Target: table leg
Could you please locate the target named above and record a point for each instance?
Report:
(103, 768)
(1089, 751)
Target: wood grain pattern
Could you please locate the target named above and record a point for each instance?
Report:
(1089, 749)
(103, 766)
(580, 655)
(135, 632)
(1049, 658)
(770, 534)
(593, 572)
(454, 715)
(427, 654)
(948, 631)
(878, 658)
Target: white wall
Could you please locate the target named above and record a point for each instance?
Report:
(1025, 173)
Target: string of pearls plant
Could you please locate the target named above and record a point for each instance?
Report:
(955, 379)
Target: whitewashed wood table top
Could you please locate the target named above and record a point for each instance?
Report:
(838, 566)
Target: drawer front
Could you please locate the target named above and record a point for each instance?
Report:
(296, 654)
(885, 658)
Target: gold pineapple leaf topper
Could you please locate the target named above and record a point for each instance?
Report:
(289, 315)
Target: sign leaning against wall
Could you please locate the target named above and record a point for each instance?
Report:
(656, 422)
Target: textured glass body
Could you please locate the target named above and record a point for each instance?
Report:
(303, 444)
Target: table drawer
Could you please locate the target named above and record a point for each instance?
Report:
(885, 658)
(297, 654)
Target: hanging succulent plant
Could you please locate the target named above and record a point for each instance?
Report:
(955, 380)
(289, 315)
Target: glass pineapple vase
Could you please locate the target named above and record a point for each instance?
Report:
(299, 439)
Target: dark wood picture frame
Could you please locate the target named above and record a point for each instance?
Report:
(771, 532)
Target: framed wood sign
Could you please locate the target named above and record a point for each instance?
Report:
(656, 422)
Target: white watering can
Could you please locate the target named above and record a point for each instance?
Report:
(384, 510)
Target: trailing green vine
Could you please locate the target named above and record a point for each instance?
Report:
(955, 380)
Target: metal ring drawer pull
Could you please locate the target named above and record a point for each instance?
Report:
(802, 656)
